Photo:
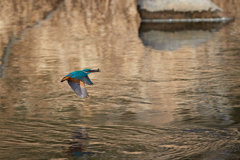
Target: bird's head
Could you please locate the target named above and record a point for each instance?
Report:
(91, 70)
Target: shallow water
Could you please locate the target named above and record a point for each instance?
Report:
(175, 99)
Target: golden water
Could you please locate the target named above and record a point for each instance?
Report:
(176, 97)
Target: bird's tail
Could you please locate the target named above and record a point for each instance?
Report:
(65, 78)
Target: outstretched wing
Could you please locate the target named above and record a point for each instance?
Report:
(79, 89)
(87, 80)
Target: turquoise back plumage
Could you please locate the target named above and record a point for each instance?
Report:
(79, 74)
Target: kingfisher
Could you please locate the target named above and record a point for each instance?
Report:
(77, 81)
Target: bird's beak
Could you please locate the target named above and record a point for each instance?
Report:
(97, 70)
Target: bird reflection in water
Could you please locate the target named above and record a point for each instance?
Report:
(78, 143)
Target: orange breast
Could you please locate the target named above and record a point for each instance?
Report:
(74, 80)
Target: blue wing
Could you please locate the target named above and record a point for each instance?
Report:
(78, 75)
(87, 80)
(78, 89)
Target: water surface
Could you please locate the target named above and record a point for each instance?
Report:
(179, 100)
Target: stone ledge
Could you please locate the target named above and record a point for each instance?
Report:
(144, 14)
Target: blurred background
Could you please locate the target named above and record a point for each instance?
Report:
(168, 87)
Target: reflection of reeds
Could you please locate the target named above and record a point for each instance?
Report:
(17, 16)
(90, 17)
(5, 56)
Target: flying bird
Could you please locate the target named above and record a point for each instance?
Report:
(77, 81)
